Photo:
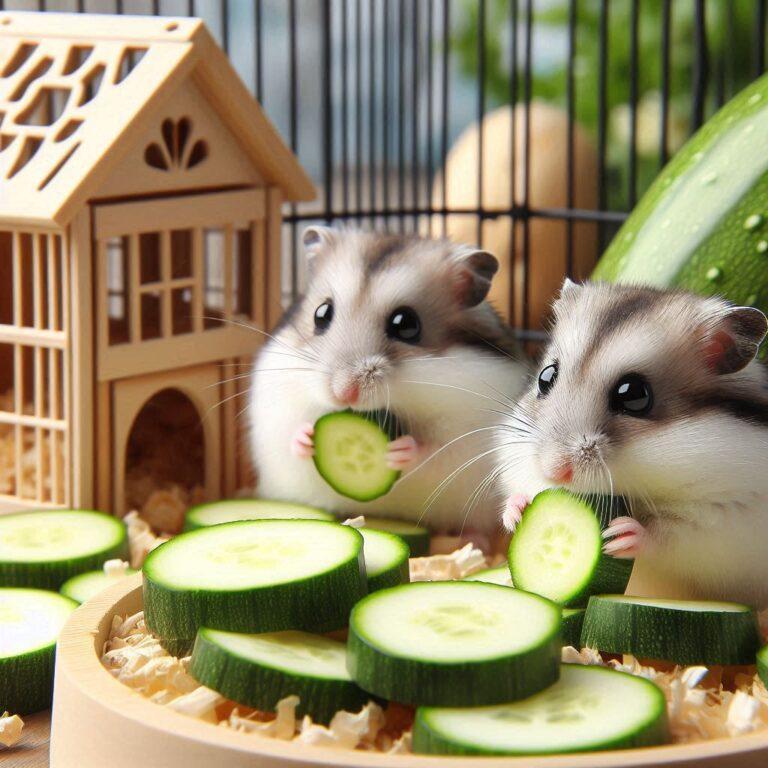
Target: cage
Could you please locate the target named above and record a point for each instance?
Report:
(530, 127)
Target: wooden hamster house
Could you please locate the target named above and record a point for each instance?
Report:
(140, 210)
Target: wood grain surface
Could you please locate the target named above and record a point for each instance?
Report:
(32, 750)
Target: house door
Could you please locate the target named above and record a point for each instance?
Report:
(167, 436)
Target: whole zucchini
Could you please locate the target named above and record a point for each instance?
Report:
(703, 224)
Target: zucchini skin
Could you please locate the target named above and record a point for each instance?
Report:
(191, 523)
(261, 687)
(762, 664)
(572, 625)
(614, 626)
(452, 684)
(320, 603)
(390, 578)
(52, 574)
(715, 183)
(429, 741)
(26, 681)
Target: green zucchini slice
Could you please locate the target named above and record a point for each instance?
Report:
(557, 551)
(259, 670)
(253, 576)
(415, 536)
(45, 548)
(386, 559)
(350, 455)
(588, 709)
(231, 510)
(30, 622)
(454, 643)
(680, 631)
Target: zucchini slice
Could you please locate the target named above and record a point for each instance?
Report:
(253, 576)
(415, 536)
(30, 622)
(762, 665)
(454, 643)
(680, 631)
(386, 559)
(588, 709)
(557, 551)
(350, 455)
(259, 670)
(43, 549)
(85, 586)
(498, 575)
(231, 510)
(573, 621)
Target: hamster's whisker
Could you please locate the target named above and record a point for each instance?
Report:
(222, 402)
(501, 394)
(263, 370)
(443, 447)
(447, 481)
(453, 386)
(250, 327)
(475, 497)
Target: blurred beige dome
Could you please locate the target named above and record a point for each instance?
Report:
(547, 189)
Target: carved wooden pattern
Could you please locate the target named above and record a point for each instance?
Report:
(177, 148)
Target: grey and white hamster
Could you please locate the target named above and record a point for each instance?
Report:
(398, 323)
(657, 396)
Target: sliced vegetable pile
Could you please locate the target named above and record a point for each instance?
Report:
(30, 622)
(557, 551)
(44, 549)
(350, 454)
(231, 510)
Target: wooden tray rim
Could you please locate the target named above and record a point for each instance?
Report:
(78, 656)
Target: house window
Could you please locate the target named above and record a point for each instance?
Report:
(118, 302)
(33, 368)
(174, 282)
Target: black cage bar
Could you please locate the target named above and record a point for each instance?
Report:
(372, 94)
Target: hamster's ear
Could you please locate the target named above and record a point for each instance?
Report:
(569, 288)
(316, 238)
(473, 273)
(732, 341)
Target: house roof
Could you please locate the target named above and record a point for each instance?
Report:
(97, 76)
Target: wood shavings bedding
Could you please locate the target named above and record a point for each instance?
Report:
(698, 711)
(10, 729)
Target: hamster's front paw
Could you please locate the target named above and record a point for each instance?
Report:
(628, 538)
(403, 453)
(513, 510)
(302, 442)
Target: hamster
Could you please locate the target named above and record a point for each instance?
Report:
(656, 396)
(398, 323)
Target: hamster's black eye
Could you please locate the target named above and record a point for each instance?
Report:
(404, 325)
(323, 316)
(632, 396)
(547, 379)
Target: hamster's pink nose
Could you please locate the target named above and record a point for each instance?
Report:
(349, 394)
(562, 473)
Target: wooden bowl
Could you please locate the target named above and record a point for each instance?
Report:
(97, 721)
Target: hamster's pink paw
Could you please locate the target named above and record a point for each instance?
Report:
(403, 452)
(513, 510)
(302, 442)
(628, 538)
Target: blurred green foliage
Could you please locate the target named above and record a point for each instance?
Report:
(729, 28)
